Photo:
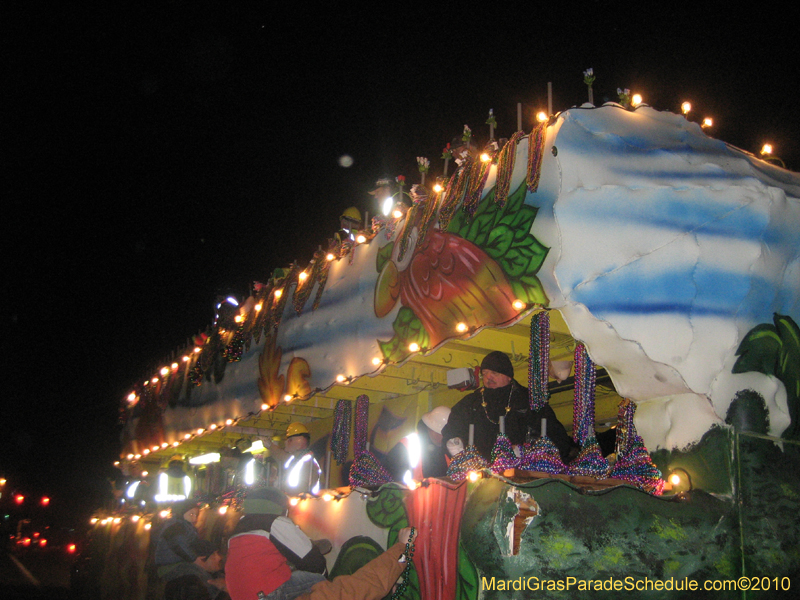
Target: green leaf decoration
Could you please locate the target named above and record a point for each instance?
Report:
(759, 350)
(775, 350)
(468, 580)
(388, 509)
(504, 234)
(355, 553)
(384, 256)
(407, 328)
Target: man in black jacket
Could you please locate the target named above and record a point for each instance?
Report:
(501, 396)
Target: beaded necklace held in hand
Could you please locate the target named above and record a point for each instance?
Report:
(508, 404)
(408, 554)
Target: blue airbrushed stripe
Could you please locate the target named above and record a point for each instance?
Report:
(679, 209)
(698, 292)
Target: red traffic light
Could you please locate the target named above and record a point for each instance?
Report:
(45, 500)
(19, 498)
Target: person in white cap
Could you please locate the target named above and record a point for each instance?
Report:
(420, 454)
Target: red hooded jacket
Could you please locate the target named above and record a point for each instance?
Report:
(254, 565)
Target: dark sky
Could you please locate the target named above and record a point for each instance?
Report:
(158, 153)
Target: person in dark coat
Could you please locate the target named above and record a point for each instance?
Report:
(501, 395)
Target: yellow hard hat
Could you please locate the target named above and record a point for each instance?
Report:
(296, 429)
(352, 213)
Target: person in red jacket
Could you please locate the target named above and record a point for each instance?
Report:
(255, 570)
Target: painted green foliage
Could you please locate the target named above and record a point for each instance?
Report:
(473, 271)
(387, 510)
(407, 328)
(774, 349)
(769, 499)
(620, 533)
(354, 554)
(753, 530)
(503, 232)
(468, 583)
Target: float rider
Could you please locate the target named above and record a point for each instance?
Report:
(301, 471)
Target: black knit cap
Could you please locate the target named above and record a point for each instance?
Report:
(499, 363)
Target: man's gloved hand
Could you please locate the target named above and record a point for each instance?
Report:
(455, 446)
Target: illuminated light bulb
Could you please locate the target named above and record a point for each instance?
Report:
(686, 107)
(341, 378)
(238, 318)
(117, 520)
(302, 276)
(377, 361)
(707, 122)
(93, 520)
(541, 116)
(164, 444)
(213, 426)
(258, 307)
(146, 451)
(485, 157)
(361, 238)
(185, 358)
(154, 380)
(473, 476)
(130, 457)
(636, 100)
(327, 497)
(437, 188)
(156, 448)
(278, 293)
(414, 347)
(164, 371)
(288, 398)
(3, 481)
(766, 149)
(386, 206)
(330, 256)
(175, 444)
(294, 501)
(188, 436)
(397, 214)
(147, 526)
(675, 479)
(131, 397)
(174, 366)
(164, 514)
(200, 431)
(461, 327)
(412, 485)
(147, 382)
(265, 406)
(229, 422)
(135, 518)
(145, 473)
(197, 350)
(223, 509)
(137, 456)
(518, 304)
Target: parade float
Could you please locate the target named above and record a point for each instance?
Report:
(640, 274)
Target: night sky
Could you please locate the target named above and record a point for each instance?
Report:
(158, 154)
